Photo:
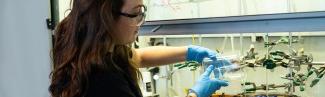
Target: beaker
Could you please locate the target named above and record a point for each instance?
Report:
(226, 67)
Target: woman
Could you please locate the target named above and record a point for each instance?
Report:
(91, 56)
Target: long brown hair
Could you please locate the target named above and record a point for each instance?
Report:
(83, 40)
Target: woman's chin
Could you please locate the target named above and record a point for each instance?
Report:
(130, 41)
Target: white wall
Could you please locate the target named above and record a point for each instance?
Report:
(24, 48)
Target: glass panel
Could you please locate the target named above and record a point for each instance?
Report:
(185, 9)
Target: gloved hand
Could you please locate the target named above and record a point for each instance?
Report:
(205, 86)
(197, 53)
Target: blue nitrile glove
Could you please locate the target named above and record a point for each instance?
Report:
(205, 86)
(197, 53)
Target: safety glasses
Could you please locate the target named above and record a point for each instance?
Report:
(138, 19)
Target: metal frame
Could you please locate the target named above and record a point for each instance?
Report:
(284, 22)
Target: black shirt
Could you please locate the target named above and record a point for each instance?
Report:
(112, 84)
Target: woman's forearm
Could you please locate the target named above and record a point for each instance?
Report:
(160, 55)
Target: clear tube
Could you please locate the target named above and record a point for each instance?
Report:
(227, 67)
